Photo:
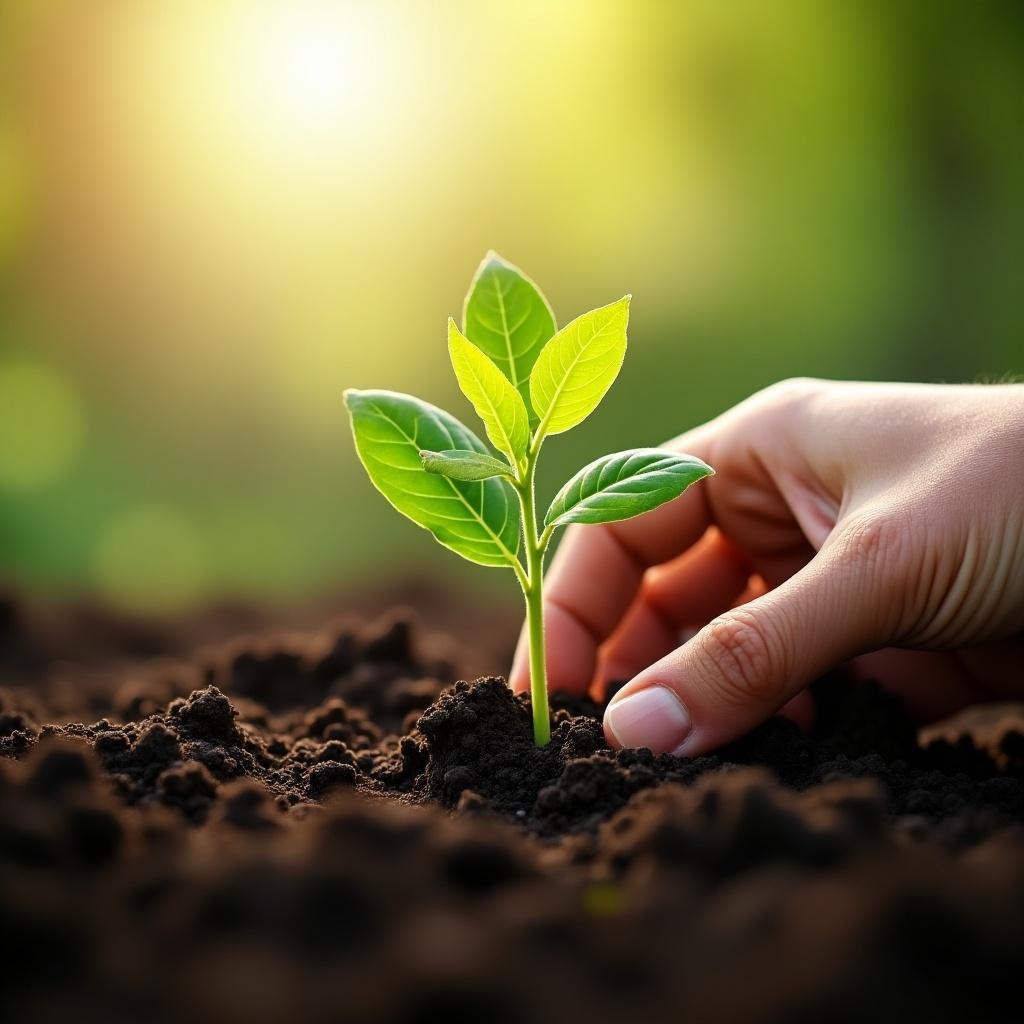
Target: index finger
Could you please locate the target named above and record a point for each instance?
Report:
(597, 573)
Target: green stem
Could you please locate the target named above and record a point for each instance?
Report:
(534, 593)
(538, 668)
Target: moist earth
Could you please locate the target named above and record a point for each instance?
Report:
(326, 827)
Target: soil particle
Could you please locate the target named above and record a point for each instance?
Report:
(188, 786)
(247, 805)
(205, 714)
(325, 776)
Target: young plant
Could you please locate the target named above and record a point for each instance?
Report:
(526, 380)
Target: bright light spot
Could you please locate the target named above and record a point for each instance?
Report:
(315, 73)
(41, 425)
(305, 68)
(151, 561)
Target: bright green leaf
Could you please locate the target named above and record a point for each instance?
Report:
(624, 485)
(577, 367)
(507, 317)
(464, 465)
(478, 520)
(496, 401)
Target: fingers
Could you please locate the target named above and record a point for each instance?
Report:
(599, 570)
(697, 586)
(750, 661)
(595, 577)
(684, 594)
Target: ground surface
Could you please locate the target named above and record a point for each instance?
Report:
(320, 826)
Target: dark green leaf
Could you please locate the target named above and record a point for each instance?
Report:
(624, 485)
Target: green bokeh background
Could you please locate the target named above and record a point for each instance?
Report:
(196, 256)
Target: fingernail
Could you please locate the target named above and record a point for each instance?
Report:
(653, 717)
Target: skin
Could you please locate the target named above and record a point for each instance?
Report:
(878, 523)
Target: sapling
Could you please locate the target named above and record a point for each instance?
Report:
(526, 380)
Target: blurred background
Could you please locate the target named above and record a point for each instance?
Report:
(214, 216)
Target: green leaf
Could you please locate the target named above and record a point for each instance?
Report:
(497, 403)
(577, 367)
(624, 485)
(507, 317)
(478, 520)
(464, 465)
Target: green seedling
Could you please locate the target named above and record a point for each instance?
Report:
(526, 380)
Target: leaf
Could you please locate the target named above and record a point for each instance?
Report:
(496, 401)
(577, 367)
(624, 485)
(507, 317)
(478, 520)
(464, 465)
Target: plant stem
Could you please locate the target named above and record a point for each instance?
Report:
(534, 594)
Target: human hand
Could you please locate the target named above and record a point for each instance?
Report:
(843, 519)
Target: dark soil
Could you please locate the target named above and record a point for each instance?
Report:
(320, 827)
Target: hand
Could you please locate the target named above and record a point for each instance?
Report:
(843, 519)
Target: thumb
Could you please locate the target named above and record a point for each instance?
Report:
(746, 664)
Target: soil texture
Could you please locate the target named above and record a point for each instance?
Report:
(327, 826)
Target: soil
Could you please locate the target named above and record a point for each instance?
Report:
(321, 826)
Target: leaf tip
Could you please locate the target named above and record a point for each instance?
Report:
(455, 338)
(491, 260)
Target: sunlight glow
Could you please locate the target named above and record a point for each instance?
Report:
(313, 68)
(316, 74)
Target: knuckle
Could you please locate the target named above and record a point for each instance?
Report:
(790, 392)
(780, 403)
(873, 542)
(746, 659)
